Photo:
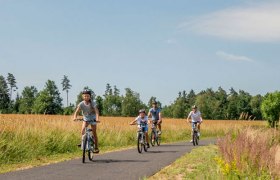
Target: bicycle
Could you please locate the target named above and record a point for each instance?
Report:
(88, 143)
(155, 137)
(141, 138)
(195, 137)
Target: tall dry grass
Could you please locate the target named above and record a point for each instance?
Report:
(27, 137)
(252, 151)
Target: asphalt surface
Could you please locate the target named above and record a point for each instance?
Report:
(122, 165)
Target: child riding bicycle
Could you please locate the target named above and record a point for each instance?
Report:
(195, 117)
(90, 115)
(156, 115)
(142, 119)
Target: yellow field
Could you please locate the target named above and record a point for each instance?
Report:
(119, 124)
(25, 139)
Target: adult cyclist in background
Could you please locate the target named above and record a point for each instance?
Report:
(195, 116)
(156, 115)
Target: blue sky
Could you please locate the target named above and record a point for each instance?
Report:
(156, 48)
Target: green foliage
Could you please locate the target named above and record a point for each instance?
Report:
(11, 80)
(48, 100)
(27, 99)
(270, 108)
(112, 103)
(4, 96)
(131, 103)
(66, 86)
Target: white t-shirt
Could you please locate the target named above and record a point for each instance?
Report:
(196, 116)
(140, 120)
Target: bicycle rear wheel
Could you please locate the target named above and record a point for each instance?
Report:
(158, 140)
(84, 148)
(139, 143)
(91, 148)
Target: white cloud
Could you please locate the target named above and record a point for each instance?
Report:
(233, 57)
(257, 23)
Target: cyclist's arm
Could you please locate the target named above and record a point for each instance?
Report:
(188, 118)
(133, 122)
(96, 114)
(159, 116)
(76, 113)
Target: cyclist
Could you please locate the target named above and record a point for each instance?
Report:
(142, 119)
(195, 116)
(90, 115)
(156, 115)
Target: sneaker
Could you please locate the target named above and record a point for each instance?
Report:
(148, 145)
(96, 150)
(159, 132)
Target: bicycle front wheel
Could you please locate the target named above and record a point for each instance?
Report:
(91, 148)
(139, 143)
(194, 139)
(84, 149)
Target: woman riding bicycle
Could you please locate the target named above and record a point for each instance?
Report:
(90, 115)
(142, 120)
(156, 115)
(195, 117)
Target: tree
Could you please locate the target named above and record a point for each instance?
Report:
(112, 103)
(255, 104)
(66, 86)
(270, 108)
(207, 103)
(27, 99)
(48, 100)
(131, 103)
(99, 104)
(11, 80)
(4, 96)
(179, 107)
(222, 103)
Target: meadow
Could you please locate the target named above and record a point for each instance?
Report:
(28, 138)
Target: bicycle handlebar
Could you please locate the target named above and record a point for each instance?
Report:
(80, 119)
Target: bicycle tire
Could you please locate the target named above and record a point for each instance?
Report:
(144, 144)
(153, 138)
(194, 139)
(90, 151)
(84, 149)
(158, 140)
(139, 143)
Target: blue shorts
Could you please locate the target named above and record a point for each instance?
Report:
(144, 127)
(195, 123)
(92, 122)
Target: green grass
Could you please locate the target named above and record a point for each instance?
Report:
(198, 164)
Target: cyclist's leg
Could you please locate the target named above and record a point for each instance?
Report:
(147, 135)
(93, 127)
(159, 125)
(84, 127)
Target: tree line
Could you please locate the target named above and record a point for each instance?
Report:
(213, 104)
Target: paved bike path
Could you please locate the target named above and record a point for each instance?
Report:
(127, 164)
